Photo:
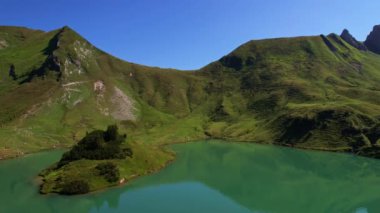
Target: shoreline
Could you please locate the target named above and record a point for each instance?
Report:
(346, 150)
(39, 180)
(34, 152)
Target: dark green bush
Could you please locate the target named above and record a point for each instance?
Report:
(128, 152)
(98, 145)
(111, 133)
(109, 171)
(232, 61)
(75, 187)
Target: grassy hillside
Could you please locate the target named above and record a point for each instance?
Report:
(310, 92)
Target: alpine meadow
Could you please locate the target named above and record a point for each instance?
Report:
(57, 89)
(317, 92)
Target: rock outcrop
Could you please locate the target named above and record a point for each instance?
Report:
(373, 40)
(347, 37)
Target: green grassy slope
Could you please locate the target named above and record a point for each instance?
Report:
(310, 92)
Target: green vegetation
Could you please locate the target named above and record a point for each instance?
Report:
(101, 160)
(75, 187)
(316, 92)
(98, 145)
(109, 171)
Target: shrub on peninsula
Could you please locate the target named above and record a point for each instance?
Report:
(75, 187)
(109, 171)
(98, 145)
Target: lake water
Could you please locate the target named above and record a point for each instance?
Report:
(213, 177)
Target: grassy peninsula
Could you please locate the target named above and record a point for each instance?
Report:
(101, 159)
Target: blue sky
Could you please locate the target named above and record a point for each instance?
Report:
(188, 34)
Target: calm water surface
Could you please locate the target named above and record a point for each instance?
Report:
(213, 177)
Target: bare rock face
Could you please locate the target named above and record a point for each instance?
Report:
(123, 106)
(347, 37)
(373, 40)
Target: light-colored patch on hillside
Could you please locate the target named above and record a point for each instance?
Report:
(71, 67)
(73, 83)
(69, 89)
(3, 44)
(84, 51)
(123, 106)
(80, 61)
(100, 90)
(31, 111)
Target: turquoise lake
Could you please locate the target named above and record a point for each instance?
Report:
(211, 177)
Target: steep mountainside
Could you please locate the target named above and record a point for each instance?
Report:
(312, 92)
(319, 92)
(373, 40)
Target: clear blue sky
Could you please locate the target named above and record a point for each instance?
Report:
(188, 34)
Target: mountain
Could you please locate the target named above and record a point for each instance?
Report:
(316, 92)
(347, 37)
(373, 39)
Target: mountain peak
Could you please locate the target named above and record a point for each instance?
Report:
(69, 33)
(68, 30)
(66, 27)
(345, 32)
(376, 27)
(347, 37)
(373, 40)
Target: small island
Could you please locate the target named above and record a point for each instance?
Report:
(99, 160)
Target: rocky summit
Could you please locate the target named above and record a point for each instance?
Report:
(347, 37)
(373, 40)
